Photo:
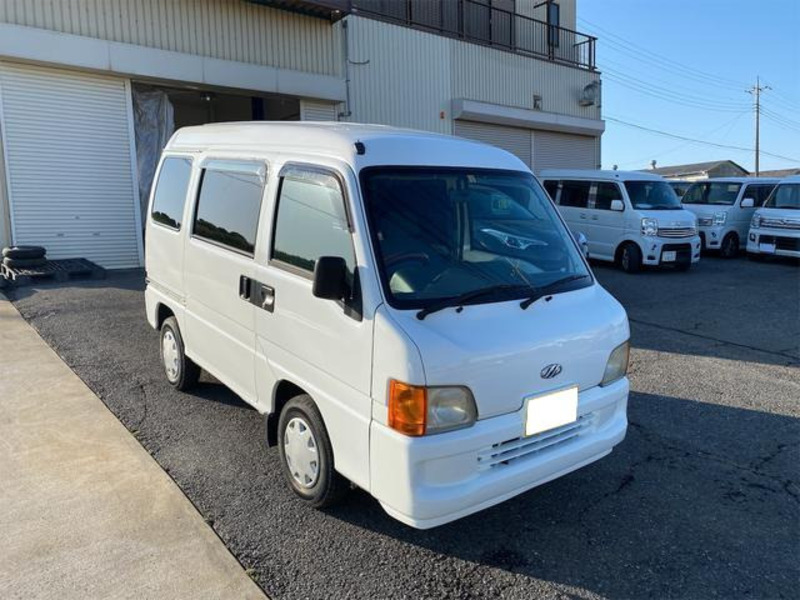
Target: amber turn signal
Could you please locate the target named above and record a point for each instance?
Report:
(408, 408)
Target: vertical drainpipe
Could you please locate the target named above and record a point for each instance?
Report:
(346, 113)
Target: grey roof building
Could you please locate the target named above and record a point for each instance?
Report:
(703, 170)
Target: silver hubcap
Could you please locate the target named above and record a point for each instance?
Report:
(300, 449)
(169, 352)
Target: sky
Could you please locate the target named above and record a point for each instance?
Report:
(682, 67)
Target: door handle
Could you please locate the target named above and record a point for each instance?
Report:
(244, 287)
(594, 217)
(267, 298)
(583, 215)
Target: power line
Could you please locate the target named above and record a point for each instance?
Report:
(643, 87)
(644, 53)
(689, 139)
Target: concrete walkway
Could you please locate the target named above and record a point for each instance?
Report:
(85, 512)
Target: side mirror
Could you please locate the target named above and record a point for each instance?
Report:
(617, 205)
(583, 243)
(748, 203)
(330, 278)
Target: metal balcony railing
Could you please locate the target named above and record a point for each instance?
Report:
(483, 22)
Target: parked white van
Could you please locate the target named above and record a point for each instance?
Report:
(775, 227)
(724, 207)
(407, 310)
(628, 217)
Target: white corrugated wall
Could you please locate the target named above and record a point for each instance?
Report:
(513, 139)
(67, 140)
(226, 29)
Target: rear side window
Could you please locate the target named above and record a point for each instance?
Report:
(759, 193)
(575, 193)
(606, 192)
(170, 195)
(552, 188)
(311, 220)
(229, 203)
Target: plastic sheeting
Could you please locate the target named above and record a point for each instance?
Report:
(154, 123)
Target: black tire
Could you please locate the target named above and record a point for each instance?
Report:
(24, 263)
(630, 258)
(24, 252)
(729, 248)
(186, 373)
(328, 487)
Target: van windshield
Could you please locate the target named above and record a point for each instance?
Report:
(652, 195)
(785, 196)
(440, 233)
(717, 193)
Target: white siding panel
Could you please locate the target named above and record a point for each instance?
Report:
(314, 110)
(400, 76)
(513, 139)
(67, 146)
(553, 150)
(226, 29)
(498, 77)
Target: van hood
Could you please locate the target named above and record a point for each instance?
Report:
(671, 218)
(790, 214)
(707, 210)
(498, 350)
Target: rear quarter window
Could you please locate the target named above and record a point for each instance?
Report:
(170, 193)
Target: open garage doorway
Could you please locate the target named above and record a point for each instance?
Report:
(158, 111)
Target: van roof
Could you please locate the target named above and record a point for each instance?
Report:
(791, 179)
(383, 145)
(767, 180)
(598, 174)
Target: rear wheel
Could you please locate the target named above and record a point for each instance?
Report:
(630, 258)
(306, 454)
(181, 372)
(730, 246)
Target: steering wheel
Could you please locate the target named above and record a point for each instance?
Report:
(395, 259)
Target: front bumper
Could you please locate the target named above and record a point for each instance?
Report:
(774, 242)
(428, 481)
(712, 236)
(653, 248)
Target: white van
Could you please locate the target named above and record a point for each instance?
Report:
(775, 227)
(724, 207)
(628, 217)
(407, 309)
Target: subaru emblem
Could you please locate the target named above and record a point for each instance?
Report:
(550, 371)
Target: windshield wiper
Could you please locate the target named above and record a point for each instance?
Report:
(539, 292)
(468, 296)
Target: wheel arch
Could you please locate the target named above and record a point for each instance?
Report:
(284, 391)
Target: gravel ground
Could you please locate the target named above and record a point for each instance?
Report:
(702, 499)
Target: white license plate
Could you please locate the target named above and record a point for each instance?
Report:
(766, 248)
(552, 410)
(669, 256)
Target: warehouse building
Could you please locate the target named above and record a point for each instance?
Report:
(90, 90)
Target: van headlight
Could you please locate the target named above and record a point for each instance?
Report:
(617, 365)
(419, 410)
(755, 222)
(720, 218)
(649, 226)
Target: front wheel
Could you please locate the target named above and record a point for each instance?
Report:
(306, 454)
(630, 258)
(730, 246)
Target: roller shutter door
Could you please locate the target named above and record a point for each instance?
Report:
(514, 139)
(68, 152)
(312, 110)
(553, 150)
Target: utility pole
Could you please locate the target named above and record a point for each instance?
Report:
(756, 93)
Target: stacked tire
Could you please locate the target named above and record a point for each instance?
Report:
(24, 257)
